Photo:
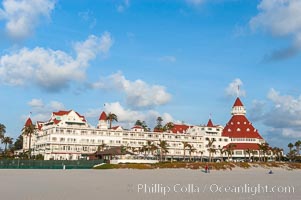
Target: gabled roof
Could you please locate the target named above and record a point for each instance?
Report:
(240, 127)
(237, 102)
(28, 122)
(103, 116)
(243, 146)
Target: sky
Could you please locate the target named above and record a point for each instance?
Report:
(182, 60)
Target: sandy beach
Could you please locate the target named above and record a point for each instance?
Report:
(238, 184)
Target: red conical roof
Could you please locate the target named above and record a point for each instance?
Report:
(103, 116)
(237, 102)
(210, 124)
(28, 122)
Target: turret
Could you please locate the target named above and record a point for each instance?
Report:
(238, 108)
(102, 122)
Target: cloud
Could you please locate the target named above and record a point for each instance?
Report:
(88, 16)
(284, 116)
(124, 5)
(235, 88)
(170, 59)
(195, 2)
(52, 70)
(41, 111)
(22, 16)
(281, 18)
(127, 117)
(138, 93)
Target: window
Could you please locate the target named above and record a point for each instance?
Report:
(238, 129)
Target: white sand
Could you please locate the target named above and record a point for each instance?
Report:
(149, 184)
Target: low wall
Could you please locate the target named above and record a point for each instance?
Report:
(133, 161)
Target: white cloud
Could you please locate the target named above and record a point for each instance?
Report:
(170, 59)
(41, 111)
(195, 2)
(127, 117)
(280, 18)
(88, 16)
(49, 69)
(124, 5)
(22, 16)
(283, 117)
(235, 88)
(138, 93)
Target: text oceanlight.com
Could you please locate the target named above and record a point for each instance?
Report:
(252, 189)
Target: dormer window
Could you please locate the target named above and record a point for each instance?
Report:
(248, 129)
(238, 129)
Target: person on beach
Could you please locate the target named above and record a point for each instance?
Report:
(206, 168)
(270, 172)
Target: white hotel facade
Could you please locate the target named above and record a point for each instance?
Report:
(68, 136)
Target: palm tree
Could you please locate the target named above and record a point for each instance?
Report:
(264, 148)
(201, 152)
(185, 145)
(112, 117)
(2, 131)
(149, 146)
(6, 141)
(290, 146)
(28, 130)
(222, 152)
(249, 151)
(191, 149)
(210, 148)
(297, 144)
(230, 149)
(163, 148)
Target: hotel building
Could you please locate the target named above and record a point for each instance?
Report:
(68, 136)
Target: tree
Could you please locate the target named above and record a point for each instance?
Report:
(168, 126)
(191, 149)
(18, 143)
(230, 150)
(2, 131)
(142, 124)
(290, 146)
(263, 148)
(112, 117)
(6, 141)
(297, 145)
(28, 130)
(163, 148)
(210, 148)
(249, 151)
(185, 145)
(159, 126)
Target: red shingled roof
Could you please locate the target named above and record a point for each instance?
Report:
(240, 127)
(244, 146)
(238, 102)
(62, 112)
(103, 116)
(179, 128)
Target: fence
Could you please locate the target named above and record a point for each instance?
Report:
(48, 164)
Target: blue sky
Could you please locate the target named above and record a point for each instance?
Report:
(181, 60)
